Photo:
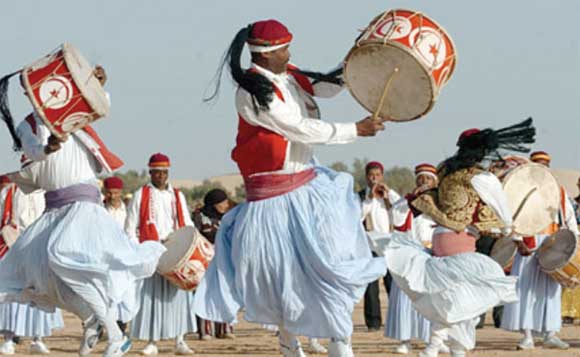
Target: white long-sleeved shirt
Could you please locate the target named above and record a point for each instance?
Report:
(71, 164)
(119, 214)
(163, 212)
(294, 118)
(25, 208)
(375, 210)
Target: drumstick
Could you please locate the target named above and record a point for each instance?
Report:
(521, 206)
(384, 95)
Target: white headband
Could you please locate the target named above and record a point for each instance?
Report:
(428, 173)
(263, 49)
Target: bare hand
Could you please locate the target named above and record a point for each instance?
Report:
(380, 190)
(419, 190)
(100, 73)
(54, 144)
(370, 127)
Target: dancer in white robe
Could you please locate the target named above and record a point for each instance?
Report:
(19, 211)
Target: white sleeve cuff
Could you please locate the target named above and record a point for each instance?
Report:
(346, 132)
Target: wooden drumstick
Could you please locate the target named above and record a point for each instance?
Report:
(375, 116)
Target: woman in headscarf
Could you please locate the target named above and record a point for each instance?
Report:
(207, 220)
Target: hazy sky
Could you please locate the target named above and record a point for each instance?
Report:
(515, 59)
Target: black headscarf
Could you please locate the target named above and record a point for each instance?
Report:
(212, 198)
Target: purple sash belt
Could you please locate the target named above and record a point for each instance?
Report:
(71, 194)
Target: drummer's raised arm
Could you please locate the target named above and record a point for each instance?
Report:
(34, 138)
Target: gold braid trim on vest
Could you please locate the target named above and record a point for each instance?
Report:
(456, 205)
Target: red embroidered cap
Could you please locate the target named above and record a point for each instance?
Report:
(113, 182)
(374, 165)
(467, 133)
(268, 35)
(159, 161)
(425, 169)
(540, 155)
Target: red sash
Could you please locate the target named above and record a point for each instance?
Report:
(6, 218)
(147, 229)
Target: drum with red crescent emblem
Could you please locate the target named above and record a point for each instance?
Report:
(406, 51)
(64, 90)
(187, 257)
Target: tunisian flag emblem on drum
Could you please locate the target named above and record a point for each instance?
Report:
(64, 90)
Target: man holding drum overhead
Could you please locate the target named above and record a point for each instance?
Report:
(74, 256)
(540, 296)
(455, 285)
(295, 254)
(158, 209)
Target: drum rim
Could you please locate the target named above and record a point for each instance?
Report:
(38, 107)
(434, 92)
(67, 49)
(185, 257)
(575, 251)
(440, 28)
(511, 260)
(519, 168)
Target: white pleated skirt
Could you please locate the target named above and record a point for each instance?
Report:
(540, 297)
(403, 322)
(166, 311)
(26, 321)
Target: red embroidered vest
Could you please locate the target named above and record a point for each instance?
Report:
(147, 229)
(259, 149)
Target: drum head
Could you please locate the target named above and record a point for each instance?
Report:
(367, 69)
(557, 250)
(82, 73)
(503, 251)
(537, 211)
(178, 245)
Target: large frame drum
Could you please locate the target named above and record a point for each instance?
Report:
(187, 257)
(407, 52)
(533, 196)
(558, 257)
(64, 91)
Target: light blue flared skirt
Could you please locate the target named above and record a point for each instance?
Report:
(300, 260)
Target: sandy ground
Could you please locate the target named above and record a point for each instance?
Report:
(251, 340)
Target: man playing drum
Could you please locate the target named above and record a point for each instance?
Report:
(158, 209)
(540, 296)
(455, 285)
(75, 256)
(295, 254)
(19, 211)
